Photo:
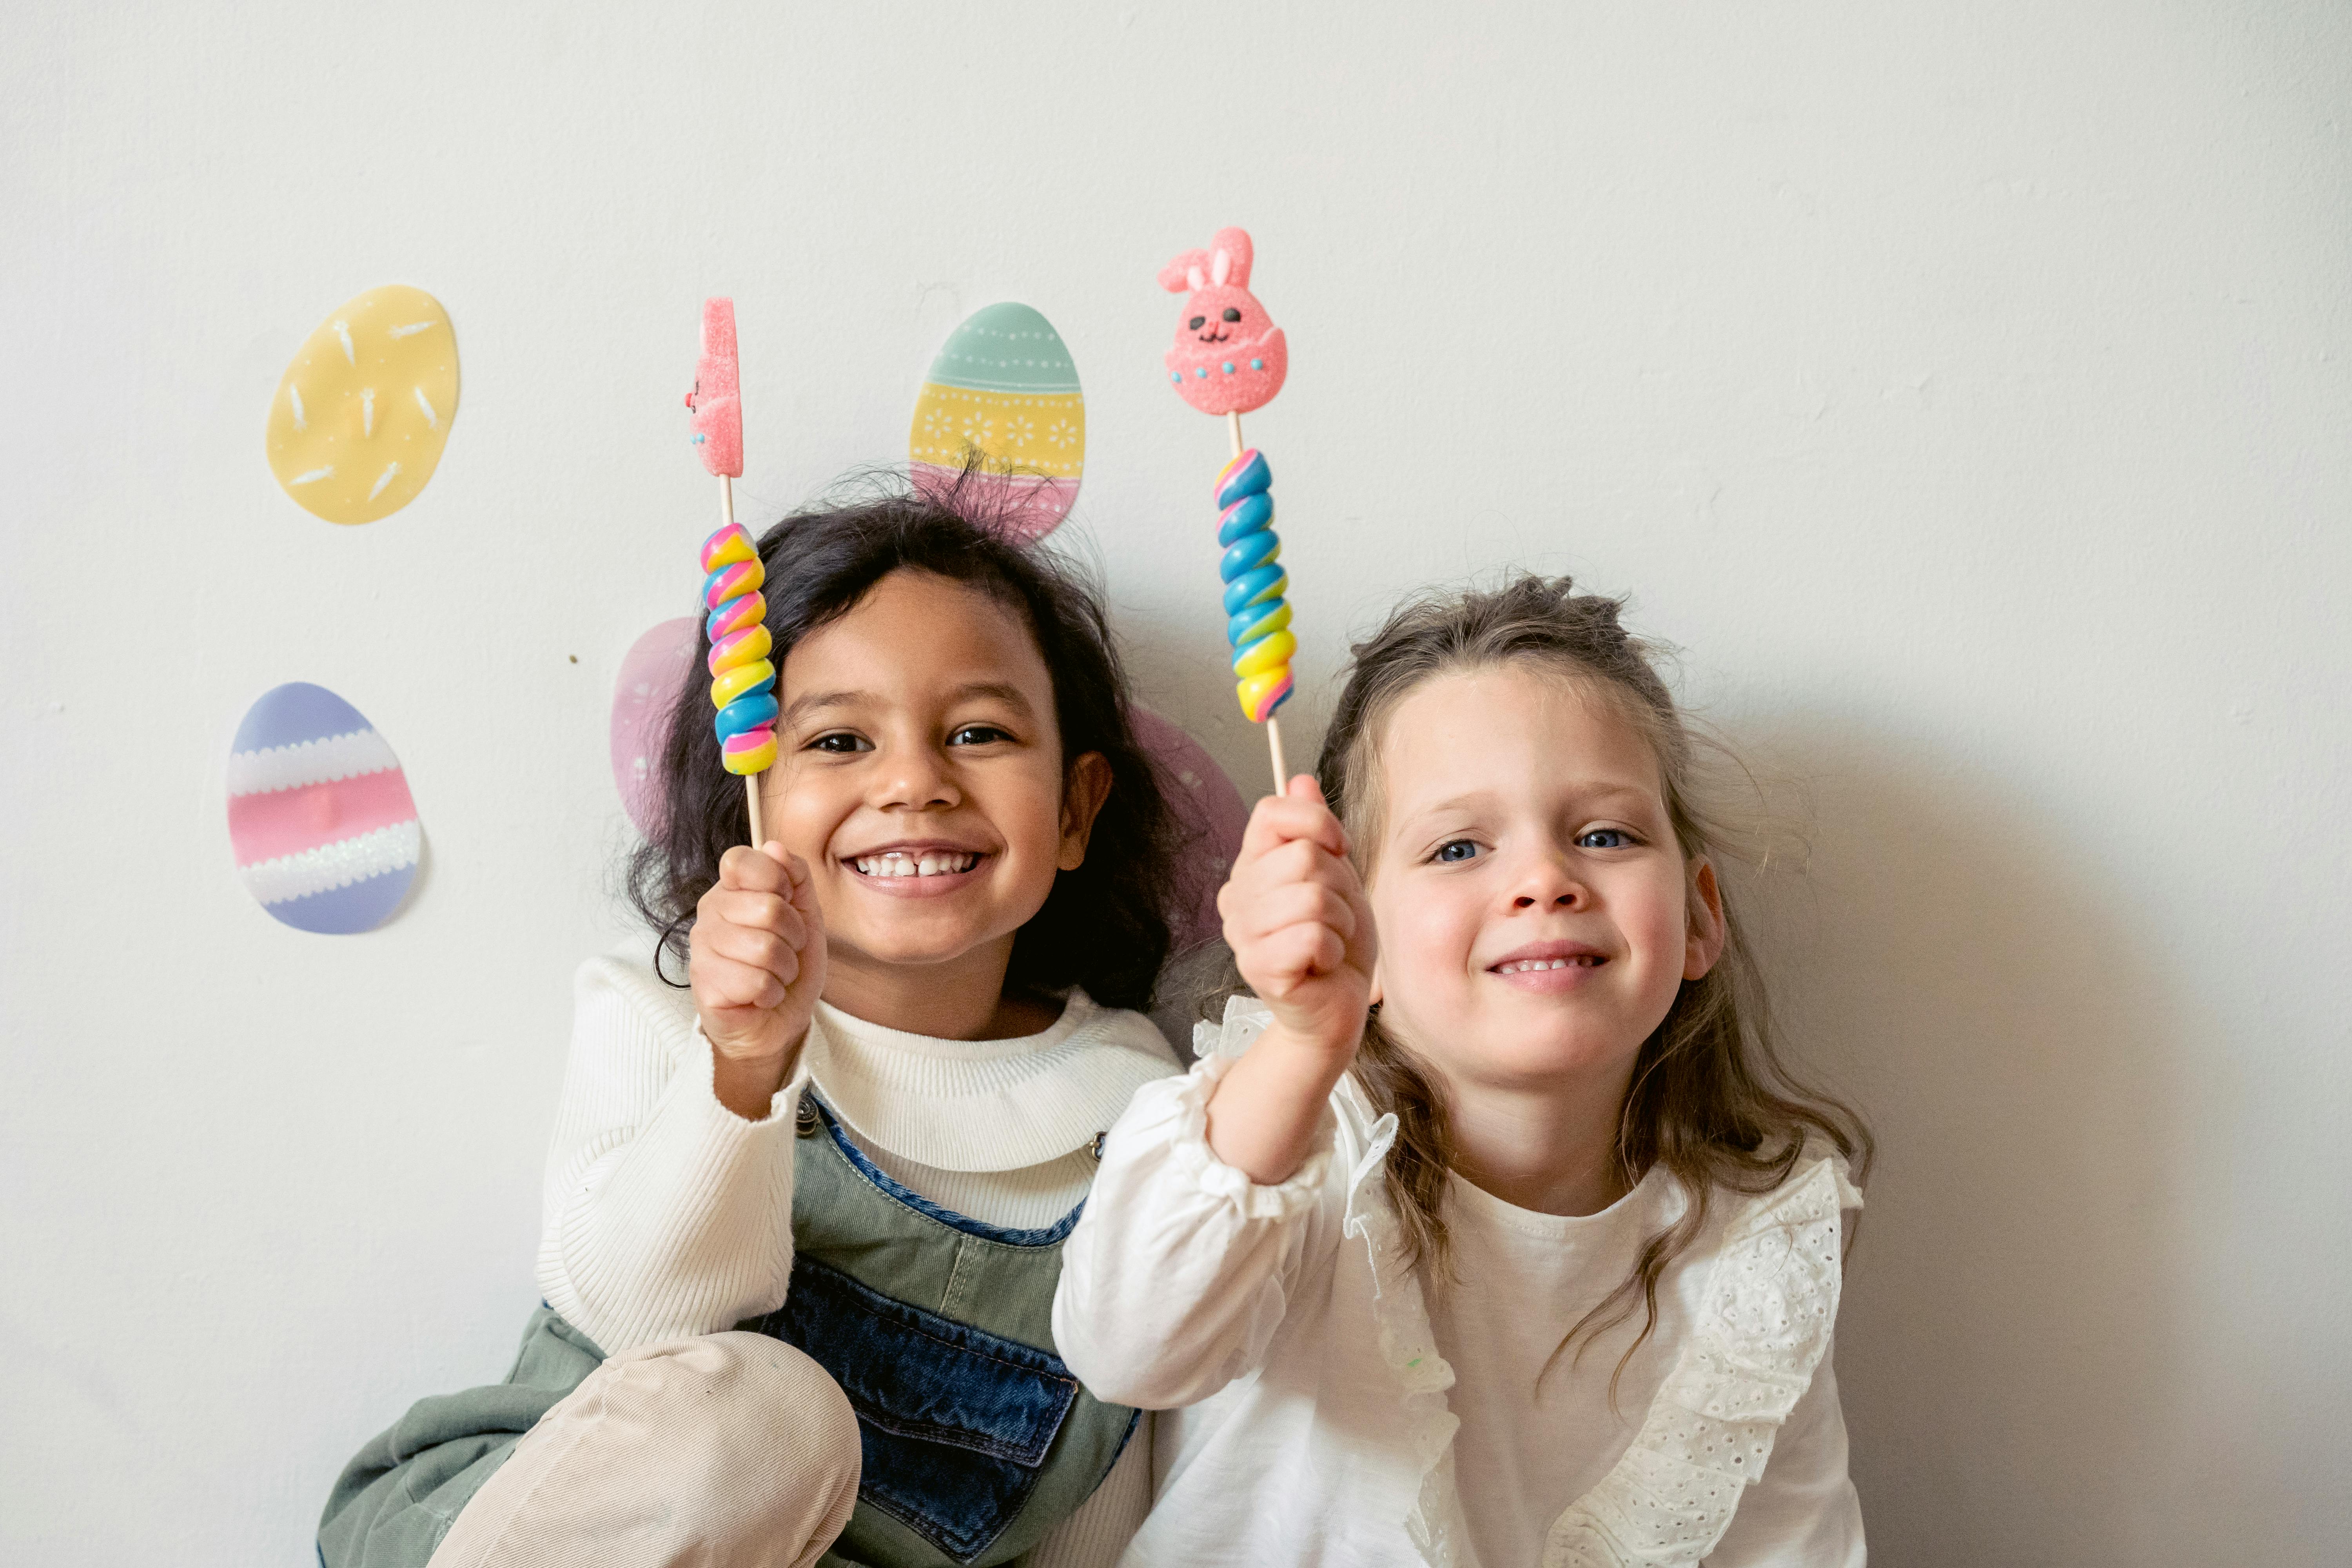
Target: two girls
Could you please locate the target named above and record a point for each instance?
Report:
(1490, 1232)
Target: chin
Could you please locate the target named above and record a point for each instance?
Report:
(1526, 1060)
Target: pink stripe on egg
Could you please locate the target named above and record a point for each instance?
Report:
(290, 821)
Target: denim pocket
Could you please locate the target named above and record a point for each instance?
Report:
(954, 1422)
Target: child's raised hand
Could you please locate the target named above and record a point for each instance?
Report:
(756, 964)
(1297, 919)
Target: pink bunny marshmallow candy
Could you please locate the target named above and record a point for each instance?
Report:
(1229, 356)
(716, 400)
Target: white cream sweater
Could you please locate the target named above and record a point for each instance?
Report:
(666, 1215)
(1323, 1420)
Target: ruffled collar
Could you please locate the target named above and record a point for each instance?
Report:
(1770, 1302)
(985, 1105)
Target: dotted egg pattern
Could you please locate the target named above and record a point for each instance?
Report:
(1258, 621)
(742, 677)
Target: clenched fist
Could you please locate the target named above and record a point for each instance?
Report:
(756, 964)
(1301, 932)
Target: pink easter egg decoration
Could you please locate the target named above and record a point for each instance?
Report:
(1209, 811)
(652, 671)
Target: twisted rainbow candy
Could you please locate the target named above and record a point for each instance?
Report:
(742, 680)
(1259, 623)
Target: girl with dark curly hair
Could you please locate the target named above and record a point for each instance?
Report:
(847, 1106)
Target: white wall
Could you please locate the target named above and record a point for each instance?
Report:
(1963, 387)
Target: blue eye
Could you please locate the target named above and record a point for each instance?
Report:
(1617, 838)
(841, 741)
(978, 735)
(1456, 850)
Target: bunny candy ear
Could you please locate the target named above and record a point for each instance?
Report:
(1220, 265)
(1233, 248)
(1184, 272)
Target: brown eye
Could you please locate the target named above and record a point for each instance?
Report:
(1197, 322)
(1232, 314)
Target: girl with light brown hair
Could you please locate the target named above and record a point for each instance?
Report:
(1493, 1227)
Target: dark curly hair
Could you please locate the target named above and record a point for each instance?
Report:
(1105, 925)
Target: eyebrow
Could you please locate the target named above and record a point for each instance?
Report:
(1472, 799)
(811, 702)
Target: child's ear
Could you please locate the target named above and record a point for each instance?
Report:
(1704, 944)
(1083, 794)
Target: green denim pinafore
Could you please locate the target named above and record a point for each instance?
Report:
(977, 1440)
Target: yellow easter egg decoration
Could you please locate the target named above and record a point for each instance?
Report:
(1003, 389)
(362, 413)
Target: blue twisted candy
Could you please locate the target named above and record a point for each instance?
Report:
(1259, 618)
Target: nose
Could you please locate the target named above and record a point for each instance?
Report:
(1548, 881)
(914, 778)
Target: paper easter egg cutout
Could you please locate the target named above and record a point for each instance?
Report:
(320, 816)
(1209, 814)
(1004, 385)
(644, 696)
(363, 411)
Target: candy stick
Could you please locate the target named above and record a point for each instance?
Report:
(1229, 358)
(743, 680)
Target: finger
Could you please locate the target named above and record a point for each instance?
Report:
(1301, 860)
(760, 949)
(744, 867)
(727, 984)
(1276, 819)
(1296, 864)
(1299, 903)
(761, 912)
(1300, 952)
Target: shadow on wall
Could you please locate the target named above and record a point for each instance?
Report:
(1949, 960)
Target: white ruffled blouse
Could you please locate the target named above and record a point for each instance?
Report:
(1316, 1428)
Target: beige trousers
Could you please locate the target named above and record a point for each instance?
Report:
(726, 1451)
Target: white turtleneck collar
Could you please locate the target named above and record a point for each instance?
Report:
(985, 1105)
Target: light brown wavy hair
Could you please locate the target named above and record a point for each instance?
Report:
(1711, 1098)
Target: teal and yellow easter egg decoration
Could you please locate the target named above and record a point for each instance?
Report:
(1003, 387)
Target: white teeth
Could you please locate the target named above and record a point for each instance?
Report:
(932, 863)
(1528, 965)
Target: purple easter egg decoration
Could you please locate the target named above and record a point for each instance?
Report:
(320, 816)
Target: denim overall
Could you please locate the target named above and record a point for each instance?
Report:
(977, 1440)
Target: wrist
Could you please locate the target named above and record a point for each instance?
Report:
(1305, 1043)
(748, 1085)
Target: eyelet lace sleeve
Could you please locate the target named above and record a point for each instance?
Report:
(1771, 1302)
(1179, 1272)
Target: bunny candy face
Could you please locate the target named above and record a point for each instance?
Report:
(1228, 357)
(1215, 316)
